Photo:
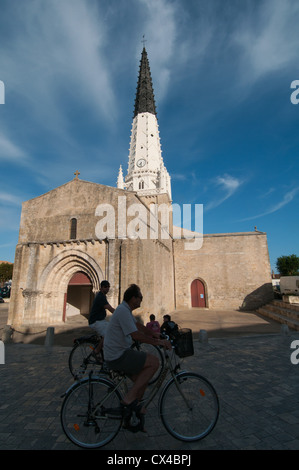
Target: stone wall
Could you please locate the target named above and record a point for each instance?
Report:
(234, 268)
(149, 263)
(47, 217)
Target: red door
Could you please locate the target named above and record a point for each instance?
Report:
(198, 298)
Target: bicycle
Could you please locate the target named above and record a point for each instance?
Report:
(188, 406)
(82, 356)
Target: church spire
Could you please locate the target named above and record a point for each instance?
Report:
(146, 173)
(145, 101)
(120, 179)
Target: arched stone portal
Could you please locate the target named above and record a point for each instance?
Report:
(78, 297)
(54, 282)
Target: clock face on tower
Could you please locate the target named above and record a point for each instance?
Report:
(141, 163)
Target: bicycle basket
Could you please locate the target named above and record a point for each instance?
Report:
(184, 343)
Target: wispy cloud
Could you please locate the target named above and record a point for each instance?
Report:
(47, 61)
(160, 28)
(287, 198)
(267, 193)
(268, 38)
(10, 151)
(228, 185)
(7, 245)
(9, 217)
(8, 198)
(179, 176)
(247, 40)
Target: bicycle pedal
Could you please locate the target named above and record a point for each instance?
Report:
(116, 413)
(139, 426)
(136, 427)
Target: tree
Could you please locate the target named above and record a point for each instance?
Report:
(5, 271)
(288, 265)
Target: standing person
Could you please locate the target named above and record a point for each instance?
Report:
(153, 324)
(138, 365)
(98, 314)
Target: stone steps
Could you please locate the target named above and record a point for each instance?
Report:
(282, 312)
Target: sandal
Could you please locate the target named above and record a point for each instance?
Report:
(128, 410)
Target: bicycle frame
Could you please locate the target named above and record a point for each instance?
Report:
(168, 367)
(119, 380)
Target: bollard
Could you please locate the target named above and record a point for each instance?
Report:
(49, 341)
(2, 353)
(7, 334)
(203, 336)
(284, 330)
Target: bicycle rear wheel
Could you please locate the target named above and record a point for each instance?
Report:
(82, 360)
(189, 407)
(82, 417)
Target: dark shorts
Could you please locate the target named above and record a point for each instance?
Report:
(131, 362)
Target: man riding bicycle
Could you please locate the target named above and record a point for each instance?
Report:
(137, 365)
(97, 317)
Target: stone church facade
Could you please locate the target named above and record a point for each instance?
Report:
(71, 238)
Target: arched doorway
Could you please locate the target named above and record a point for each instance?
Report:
(198, 295)
(79, 296)
(54, 280)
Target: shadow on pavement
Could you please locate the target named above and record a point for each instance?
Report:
(218, 324)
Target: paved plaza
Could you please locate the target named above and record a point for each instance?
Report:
(257, 384)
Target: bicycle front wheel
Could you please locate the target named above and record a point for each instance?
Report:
(83, 417)
(189, 407)
(82, 360)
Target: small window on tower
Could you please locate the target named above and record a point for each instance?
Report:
(141, 184)
(73, 230)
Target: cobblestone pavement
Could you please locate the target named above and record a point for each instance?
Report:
(256, 381)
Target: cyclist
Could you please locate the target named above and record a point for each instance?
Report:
(98, 314)
(137, 365)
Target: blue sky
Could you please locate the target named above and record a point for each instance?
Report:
(222, 73)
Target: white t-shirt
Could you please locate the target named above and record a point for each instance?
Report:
(117, 338)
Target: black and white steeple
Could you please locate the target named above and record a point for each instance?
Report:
(146, 173)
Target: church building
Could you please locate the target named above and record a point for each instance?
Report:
(80, 233)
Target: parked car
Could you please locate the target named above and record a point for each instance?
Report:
(5, 291)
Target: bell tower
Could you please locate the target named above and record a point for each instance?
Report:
(146, 174)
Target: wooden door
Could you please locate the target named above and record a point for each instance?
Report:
(198, 297)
